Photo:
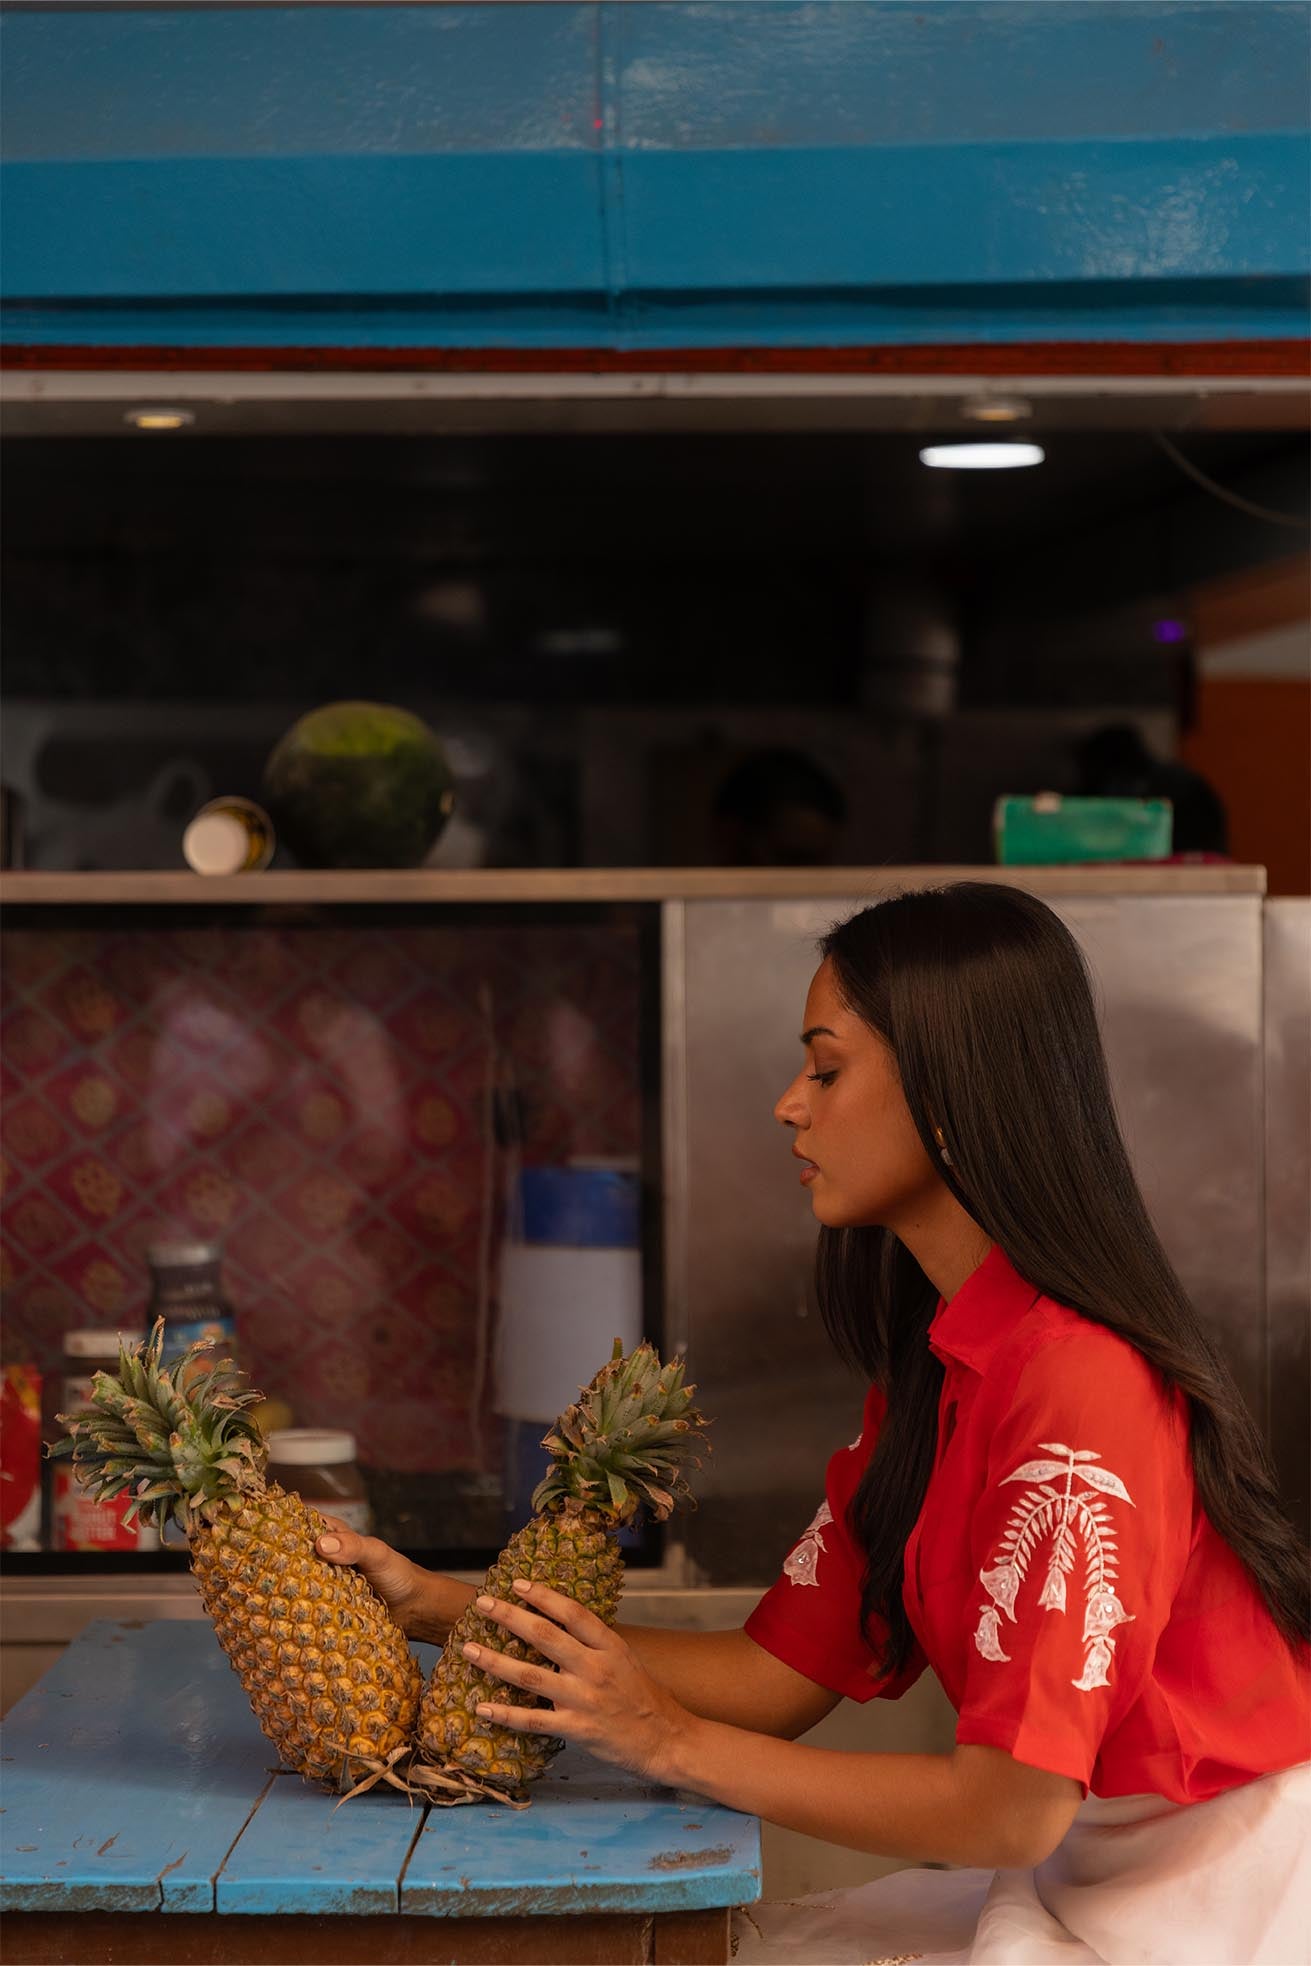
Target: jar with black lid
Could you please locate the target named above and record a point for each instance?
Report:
(185, 1290)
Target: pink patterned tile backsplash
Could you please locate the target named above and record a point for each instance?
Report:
(317, 1100)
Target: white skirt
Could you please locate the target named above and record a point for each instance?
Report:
(1136, 1881)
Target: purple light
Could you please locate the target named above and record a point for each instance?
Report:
(1169, 631)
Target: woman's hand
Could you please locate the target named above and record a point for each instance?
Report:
(601, 1695)
(407, 1591)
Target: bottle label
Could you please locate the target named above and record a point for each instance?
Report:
(78, 1521)
(82, 1523)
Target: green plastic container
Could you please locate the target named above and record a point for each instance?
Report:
(1045, 830)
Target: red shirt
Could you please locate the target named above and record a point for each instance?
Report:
(1062, 1579)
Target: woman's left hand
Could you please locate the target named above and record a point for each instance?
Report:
(600, 1695)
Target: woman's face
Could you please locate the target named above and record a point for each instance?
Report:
(861, 1157)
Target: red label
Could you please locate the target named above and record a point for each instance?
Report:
(20, 1458)
(84, 1524)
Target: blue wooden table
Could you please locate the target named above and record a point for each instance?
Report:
(144, 1820)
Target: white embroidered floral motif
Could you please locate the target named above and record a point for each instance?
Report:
(800, 1566)
(988, 1637)
(1068, 1516)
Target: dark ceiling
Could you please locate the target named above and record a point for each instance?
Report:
(186, 564)
(594, 497)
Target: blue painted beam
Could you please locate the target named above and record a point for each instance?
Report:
(668, 174)
(243, 229)
(1014, 213)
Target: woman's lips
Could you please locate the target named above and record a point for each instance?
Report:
(808, 1169)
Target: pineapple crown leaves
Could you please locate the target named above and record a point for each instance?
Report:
(177, 1437)
(626, 1442)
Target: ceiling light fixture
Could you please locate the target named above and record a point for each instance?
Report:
(159, 419)
(996, 409)
(981, 457)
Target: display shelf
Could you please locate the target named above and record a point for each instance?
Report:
(599, 884)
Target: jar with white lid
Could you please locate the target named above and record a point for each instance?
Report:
(318, 1464)
(80, 1522)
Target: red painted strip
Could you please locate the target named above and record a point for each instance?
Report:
(1074, 358)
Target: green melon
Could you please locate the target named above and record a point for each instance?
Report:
(359, 785)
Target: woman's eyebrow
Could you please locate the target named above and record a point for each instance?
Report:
(817, 1031)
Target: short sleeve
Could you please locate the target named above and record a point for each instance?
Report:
(810, 1619)
(1079, 1542)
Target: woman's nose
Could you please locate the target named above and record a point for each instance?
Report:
(791, 1108)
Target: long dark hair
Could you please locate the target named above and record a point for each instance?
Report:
(982, 996)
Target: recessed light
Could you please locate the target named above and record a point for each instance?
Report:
(159, 419)
(996, 409)
(981, 457)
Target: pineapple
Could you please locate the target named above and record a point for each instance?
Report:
(330, 1677)
(621, 1447)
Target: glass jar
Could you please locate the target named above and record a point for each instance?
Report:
(186, 1292)
(319, 1466)
(79, 1521)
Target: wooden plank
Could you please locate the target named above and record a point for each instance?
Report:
(595, 1839)
(145, 1939)
(693, 1938)
(161, 1710)
(301, 1853)
(430, 887)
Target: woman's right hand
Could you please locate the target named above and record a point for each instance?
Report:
(407, 1591)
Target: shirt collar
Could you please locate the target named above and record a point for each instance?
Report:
(983, 1313)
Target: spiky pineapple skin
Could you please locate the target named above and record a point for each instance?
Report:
(575, 1554)
(329, 1675)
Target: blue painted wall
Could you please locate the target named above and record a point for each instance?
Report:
(627, 176)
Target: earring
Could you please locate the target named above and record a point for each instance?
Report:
(947, 1160)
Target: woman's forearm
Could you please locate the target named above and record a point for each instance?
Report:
(702, 1670)
(435, 1606)
(926, 1808)
(724, 1675)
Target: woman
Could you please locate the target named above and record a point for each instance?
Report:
(1057, 1501)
